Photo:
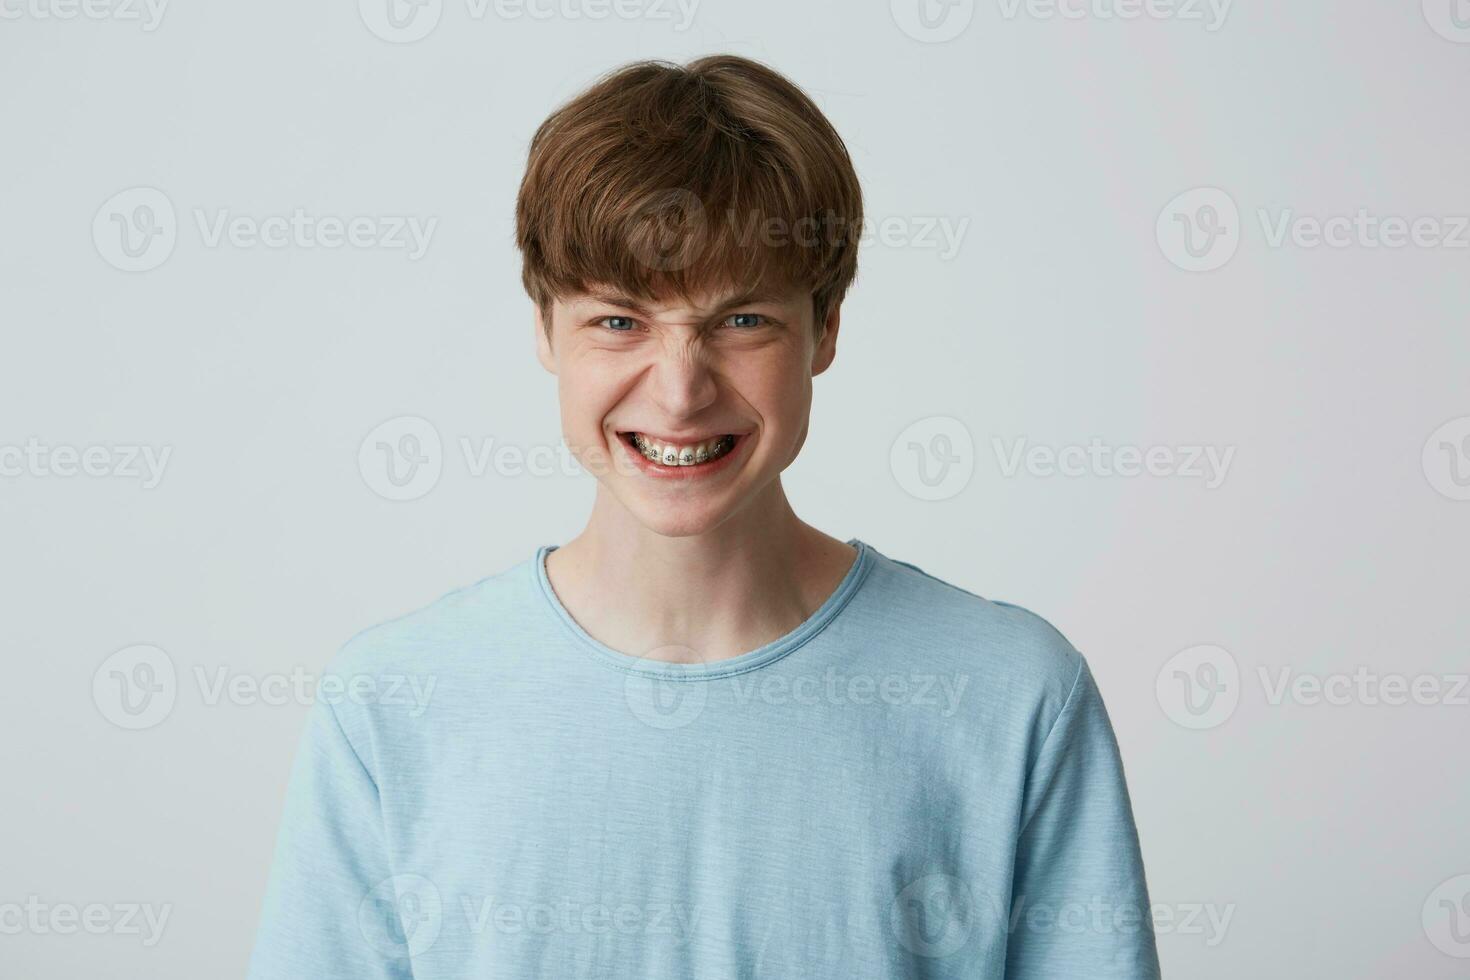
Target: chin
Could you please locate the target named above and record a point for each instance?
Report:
(676, 523)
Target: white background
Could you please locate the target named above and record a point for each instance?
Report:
(1336, 541)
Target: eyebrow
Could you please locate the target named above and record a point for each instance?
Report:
(628, 303)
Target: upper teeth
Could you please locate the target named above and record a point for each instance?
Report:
(671, 454)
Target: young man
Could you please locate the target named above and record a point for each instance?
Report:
(703, 738)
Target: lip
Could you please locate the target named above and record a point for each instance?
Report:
(700, 471)
(677, 440)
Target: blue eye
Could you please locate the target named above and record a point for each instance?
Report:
(621, 322)
(750, 317)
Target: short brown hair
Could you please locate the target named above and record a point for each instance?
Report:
(665, 179)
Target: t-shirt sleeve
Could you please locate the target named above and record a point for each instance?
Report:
(1079, 901)
(330, 910)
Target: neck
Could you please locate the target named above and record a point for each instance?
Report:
(699, 597)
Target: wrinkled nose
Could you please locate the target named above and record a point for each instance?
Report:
(682, 383)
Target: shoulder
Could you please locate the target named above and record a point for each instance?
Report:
(1007, 651)
(436, 634)
(392, 682)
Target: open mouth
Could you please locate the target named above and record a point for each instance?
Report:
(677, 455)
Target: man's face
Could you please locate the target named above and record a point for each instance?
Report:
(675, 381)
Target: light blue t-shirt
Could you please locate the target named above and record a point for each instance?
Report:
(915, 782)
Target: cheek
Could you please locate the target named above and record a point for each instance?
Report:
(780, 392)
(588, 391)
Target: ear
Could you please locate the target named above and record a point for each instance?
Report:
(827, 341)
(543, 342)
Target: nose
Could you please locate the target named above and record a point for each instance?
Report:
(683, 383)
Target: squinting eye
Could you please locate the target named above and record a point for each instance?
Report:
(618, 322)
(750, 319)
